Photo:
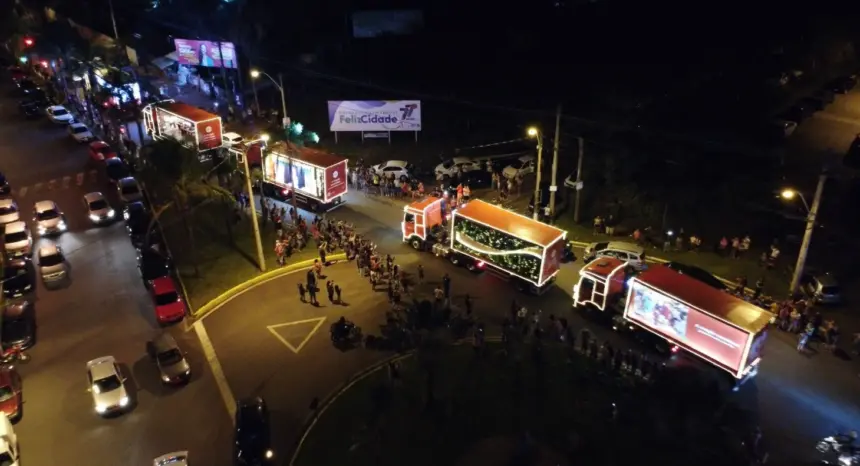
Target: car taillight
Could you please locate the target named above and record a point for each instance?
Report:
(481, 264)
(675, 349)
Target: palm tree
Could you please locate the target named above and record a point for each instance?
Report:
(176, 179)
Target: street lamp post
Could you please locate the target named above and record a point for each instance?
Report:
(811, 214)
(280, 85)
(536, 133)
(254, 222)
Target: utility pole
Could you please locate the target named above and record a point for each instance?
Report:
(553, 186)
(283, 99)
(807, 235)
(261, 261)
(578, 179)
(535, 214)
(113, 21)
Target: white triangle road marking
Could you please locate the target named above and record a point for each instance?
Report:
(295, 349)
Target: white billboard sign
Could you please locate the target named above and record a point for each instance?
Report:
(374, 115)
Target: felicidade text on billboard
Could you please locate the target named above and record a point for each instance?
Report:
(191, 52)
(715, 340)
(374, 115)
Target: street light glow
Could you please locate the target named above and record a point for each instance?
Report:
(255, 74)
(264, 137)
(788, 194)
(533, 132)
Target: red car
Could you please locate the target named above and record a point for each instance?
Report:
(169, 306)
(10, 394)
(101, 151)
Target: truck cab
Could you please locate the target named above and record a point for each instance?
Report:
(9, 454)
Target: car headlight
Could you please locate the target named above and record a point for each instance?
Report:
(187, 373)
(94, 218)
(165, 378)
(28, 287)
(125, 215)
(101, 409)
(111, 213)
(123, 402)
(41, 229)
(270, 454)
(61, 225)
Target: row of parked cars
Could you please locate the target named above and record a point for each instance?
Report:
(819, 100)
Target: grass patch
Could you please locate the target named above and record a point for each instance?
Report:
(223, 258)
(564, 407)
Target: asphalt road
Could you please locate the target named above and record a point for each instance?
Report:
(795, 399)
(105, 310)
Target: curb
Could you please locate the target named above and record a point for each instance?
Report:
(222, 299)
(312, 418)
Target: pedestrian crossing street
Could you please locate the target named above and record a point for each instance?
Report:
(76, 180)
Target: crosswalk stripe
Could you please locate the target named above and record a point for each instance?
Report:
(22, 192)
(52, 184)
(79, 179)
(37, 186)
(93, 175)
(66, 181)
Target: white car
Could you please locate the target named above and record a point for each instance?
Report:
(401, 169)
(58, 114)
(81, 133)
(177, 458)
(9, 211)
(17, 239)
(129, 191)
(523, 166)
(450, 167)
(52, 263)
(232, 139)
(98, 208)
(49, 219)
(107, 385)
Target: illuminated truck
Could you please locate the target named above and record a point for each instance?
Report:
(714, 325)
(193, 127)
(318, 179)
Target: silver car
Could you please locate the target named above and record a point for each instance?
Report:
(9, 211)
(49, 219)
(822, 288)
(98, 209)
(52, 263)
(169, 358)
(107, 385)
(17, 239)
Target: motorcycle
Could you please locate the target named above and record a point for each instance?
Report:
(349, 334)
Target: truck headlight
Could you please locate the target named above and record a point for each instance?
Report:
(111, 213)
(94, 218)
(123, 402)
(62, 226)
(165, 378)
(101, 409)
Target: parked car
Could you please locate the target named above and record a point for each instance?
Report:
(30, 109)
(823, 288)
(522, 166)
(19, 325)
(449, 168)
(17, 278)
(697, 273)
(841, 85)
(798, 112)
(400, 169)
(18, 241)
(169, 358)
(11, 395)
(824, 96)
(129, 190)
(26, 86)
(9, 211)
(815, 104)
(58, 114)
(786, 128)
(52, 264)
(115, 170)
(101, 151)
(80, 133)
(5, 188)
(152, 265)
(169, 305)
(232, 139)
(628, 252)
(98, 209)
(49, 219)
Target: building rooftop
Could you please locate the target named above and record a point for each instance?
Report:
(697, 294)
(511, 222)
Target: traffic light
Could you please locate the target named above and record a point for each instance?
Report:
(28, 41)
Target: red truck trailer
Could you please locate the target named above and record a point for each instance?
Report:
(318, 179)
(194, 127)
(716, 326)
(523, 250)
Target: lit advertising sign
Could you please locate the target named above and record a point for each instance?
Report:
(275, 169)
(209, 134)
(191, 52)
(335, 181)
(374, 115)
(552, 260)
(712, 339)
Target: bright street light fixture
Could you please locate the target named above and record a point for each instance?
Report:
(788, 194)
(255, 74)
(264, 137)
(533, 132)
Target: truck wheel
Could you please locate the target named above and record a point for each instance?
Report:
(416, 244)
(471, 267)
(455, 260)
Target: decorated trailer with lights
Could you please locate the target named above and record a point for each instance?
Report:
(718, 327)
(316, 178)
(603, 284)
(424, 227)
(526, 251)
(193, 127)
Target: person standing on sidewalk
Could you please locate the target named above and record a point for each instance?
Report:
(446, 286)
(302, 292)
(312, 294)
(329, 288)
(420, 274)
(337, 292)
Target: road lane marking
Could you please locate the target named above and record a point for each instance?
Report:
(66, 181)
(217, 371)
(37, 187)
(93, 176)
(79, 179)
(318, 321)
(22, 192)
(52, 184)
